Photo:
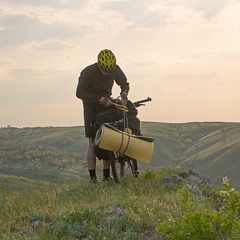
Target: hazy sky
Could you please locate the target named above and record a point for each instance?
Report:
(184, 54)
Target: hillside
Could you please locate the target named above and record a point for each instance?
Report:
(58, 153)
(159, 205)
(212, 149)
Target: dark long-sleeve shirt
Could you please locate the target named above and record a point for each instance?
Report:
(92, 84)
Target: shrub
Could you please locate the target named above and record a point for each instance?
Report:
(188, 141)
(206, 223)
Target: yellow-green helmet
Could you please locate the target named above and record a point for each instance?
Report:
(106, 60)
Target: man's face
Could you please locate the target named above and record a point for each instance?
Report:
(103, 71)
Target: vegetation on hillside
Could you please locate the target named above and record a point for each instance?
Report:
(25, 152)
(37, 162)
(210, 148)
(161, 204)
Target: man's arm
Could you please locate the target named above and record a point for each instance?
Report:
(83, 88)
(121, 80)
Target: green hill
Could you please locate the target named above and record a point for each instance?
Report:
(212, 149)
(58, 153)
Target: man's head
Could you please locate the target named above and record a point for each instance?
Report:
(106, 61)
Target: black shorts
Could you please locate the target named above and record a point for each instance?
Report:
(90, 110)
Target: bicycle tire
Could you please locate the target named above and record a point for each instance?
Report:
(134, 167)
(116, 167)
(120, 165)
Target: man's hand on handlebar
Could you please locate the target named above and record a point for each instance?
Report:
(105, 101)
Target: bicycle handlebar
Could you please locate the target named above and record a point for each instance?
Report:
(139, 103)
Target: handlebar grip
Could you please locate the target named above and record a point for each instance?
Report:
(138, 103)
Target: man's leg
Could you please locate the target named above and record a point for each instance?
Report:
(91, 160)
(106, 169)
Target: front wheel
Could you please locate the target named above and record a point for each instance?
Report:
(121, 165)
(116, 166)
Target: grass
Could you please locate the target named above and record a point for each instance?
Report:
(143, 208)
(44, 172)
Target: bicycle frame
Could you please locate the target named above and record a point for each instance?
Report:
(119, 161)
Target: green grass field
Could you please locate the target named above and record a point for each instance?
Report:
(160, 204)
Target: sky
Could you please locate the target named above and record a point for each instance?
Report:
(184, 54)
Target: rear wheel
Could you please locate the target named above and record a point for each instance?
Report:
(133, 164)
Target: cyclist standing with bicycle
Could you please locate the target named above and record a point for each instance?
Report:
(94, 88)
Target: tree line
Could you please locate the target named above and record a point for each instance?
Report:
(11, 152)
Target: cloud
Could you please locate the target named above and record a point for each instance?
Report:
(230, 55)
(209, 8)
(30, 86)
(196, 76)
(56, 3)
(160, 13)
(138, 12)
(19, 29)
(52, 46)
(167, 48)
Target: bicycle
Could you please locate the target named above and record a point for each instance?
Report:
(120, 163)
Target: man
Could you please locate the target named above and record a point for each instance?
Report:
(94, 89)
